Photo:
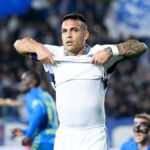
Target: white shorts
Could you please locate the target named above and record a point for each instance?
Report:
(91, 138)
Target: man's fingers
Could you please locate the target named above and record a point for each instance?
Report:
(16, 132)
(99, 60)
(96, 61)
(48, 60)
(52, 61)
(92, 61)
(46, 57)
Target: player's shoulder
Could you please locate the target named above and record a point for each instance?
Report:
(46, 95)
(37, 103)
(130, 141)
(129, 144)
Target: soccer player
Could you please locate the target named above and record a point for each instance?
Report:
(141, 140)
(81, 73)
(43, 120)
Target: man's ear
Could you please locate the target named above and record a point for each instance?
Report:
(86, 35)
(149, 132)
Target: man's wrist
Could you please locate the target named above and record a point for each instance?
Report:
(115, 51)
(112, 50)
(109, 51)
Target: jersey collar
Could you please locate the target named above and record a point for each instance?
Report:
(84, 53)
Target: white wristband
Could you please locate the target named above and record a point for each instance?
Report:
(115, 50)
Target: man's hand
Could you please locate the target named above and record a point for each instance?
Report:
(26, 141)
(17, 132)
(44, 56)
(101, 57)
(28, 46)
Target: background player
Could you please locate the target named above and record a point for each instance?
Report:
(41, 109)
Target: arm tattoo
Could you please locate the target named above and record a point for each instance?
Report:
(131, 48)
(108, 50)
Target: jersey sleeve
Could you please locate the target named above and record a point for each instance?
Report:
(35, 119)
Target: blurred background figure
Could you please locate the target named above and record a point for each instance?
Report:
(141, 129)
(43, 120)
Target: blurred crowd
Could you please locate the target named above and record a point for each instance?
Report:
(129, 86)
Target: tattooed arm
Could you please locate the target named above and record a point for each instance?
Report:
(131, 48)
(126, 50)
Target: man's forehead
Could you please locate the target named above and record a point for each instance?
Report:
(71, 23)
(140, 120)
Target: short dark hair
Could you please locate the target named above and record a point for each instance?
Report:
(35, 76)
(75, 16)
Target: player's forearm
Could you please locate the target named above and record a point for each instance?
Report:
(26, 46)
(131, 48)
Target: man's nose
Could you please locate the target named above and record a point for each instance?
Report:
(69, 34)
